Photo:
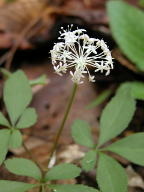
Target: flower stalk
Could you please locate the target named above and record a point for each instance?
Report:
(71, 99)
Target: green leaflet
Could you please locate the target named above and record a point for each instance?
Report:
(110, 175)
(4, 143)
(131, 148)
(63, 171)
(42, 80)
(3, 120)
(13, 186)
(127, 27)
(89, 161)
(17, 95)
(81, 133)
(99, 99)
(24, 167)
(72, 188)
(137, 89)
(15, 139)
(27, 119)
(116, 115)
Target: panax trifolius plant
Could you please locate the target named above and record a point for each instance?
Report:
(17, 95)
(76, 50)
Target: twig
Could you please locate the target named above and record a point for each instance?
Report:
(4, 57)
(24, 33)
(123, 61)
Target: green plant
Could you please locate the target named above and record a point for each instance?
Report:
(115, 117)
(128, 34)
(17, 96)
(127, 31)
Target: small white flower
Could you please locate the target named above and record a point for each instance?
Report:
(78, 51)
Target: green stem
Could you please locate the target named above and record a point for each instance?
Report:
(75, 86)
(32, 158)
(42, 188)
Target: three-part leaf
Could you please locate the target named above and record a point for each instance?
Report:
(4, 143)
(110, 175)
(72, 188)
(63, 171)
(131, 148)
(89, 160)
(81, 133)
(127, 27)
(116, 115)
(13, 186)
(27, 119)
(17, 95)
(24, 167)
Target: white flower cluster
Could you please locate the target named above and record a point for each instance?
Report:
(76, 50)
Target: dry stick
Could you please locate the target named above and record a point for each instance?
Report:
(9, 56)
(23, 34)
(17, 43)
(4, 57)
(63, 122)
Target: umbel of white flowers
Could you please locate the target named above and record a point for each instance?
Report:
(77, 51)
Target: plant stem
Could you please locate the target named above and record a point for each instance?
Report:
(71, 99)
(33, 158)
(42, 188)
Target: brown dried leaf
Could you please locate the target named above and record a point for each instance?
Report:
(17, 19)
(15, 16)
